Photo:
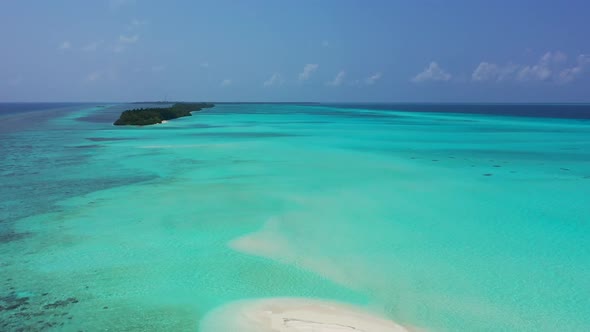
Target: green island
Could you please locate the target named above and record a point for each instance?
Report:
(155, 115)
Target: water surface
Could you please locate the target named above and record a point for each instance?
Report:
(448, 220)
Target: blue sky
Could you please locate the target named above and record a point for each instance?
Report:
(274, 50)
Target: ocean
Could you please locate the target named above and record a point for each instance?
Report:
(439, 217)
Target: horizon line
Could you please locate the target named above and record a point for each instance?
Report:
(305, 102)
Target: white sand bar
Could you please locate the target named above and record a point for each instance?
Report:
(294, 315)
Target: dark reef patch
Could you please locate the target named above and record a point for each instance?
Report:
(311, 122)
(32, 313)
(26, 198)
(12, 302)
(61, 303)
(489, 154)
(89, 146)
(244, 134)
(106, 139)
(10, 236)
(202, 125)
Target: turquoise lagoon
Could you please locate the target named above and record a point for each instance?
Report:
(442, 221)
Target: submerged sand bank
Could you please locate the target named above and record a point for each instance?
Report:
(294, 315)
(271, 242)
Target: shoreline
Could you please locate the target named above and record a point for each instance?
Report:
(292, 314)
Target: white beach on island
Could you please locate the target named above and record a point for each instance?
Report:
(294, 315)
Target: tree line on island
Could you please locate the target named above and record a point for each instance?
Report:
(155, 115)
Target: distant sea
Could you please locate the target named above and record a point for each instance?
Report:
(446, 217)
(563, 111)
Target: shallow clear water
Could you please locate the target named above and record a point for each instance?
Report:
(450, 222)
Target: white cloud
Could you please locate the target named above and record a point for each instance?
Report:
(338, 79)
(91, 47)
(124, 41)
(110, 74)
(549, 67)
(569, 74)
(308, 69)
(94, 76)
(486, 71)
(432, 73)
(507, 72)
(137, 22)
(204, 64)
(542, 70)
(128, 39)
(65, 45)
(539, 72)
(275, 79)
(373, 78)
(553, 57)
(226, 82)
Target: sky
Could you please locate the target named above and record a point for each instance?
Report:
(306, 50)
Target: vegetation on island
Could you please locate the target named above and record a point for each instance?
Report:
(155, 115)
